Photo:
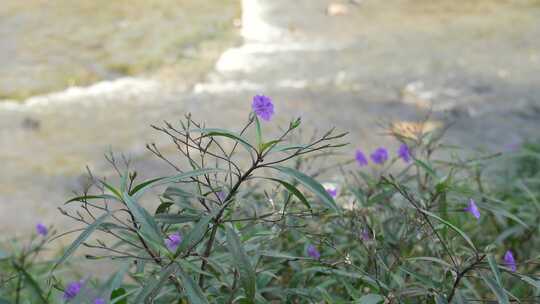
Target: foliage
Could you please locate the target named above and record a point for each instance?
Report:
(248, 222)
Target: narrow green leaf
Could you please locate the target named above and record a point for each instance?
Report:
(258, 134)
(267, 145)
(176, 218)
(281, 255)
(91, 197)
(497, 289)
(115, 191)
(311, 184)
(193, 292)
(451, 226)
(114, 281)
(440, 299)
(142, 187)
(494, 268)
(34, 286)
(530, 281)
(370, 299)
(282, 148)
(148, 227)
(150, 290)
(81, 238)
(195, 235)
(426, 167)
(225, 133)
(119, 296)
(242, 263)
(294, 191)
(295, 123)
(431, 259)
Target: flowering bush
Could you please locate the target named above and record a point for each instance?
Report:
(246, 221)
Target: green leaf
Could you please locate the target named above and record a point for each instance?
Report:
(115, 191)
(34, 286)
(119, 296)
(81, 238)
(440, 299)
(494, 268)
(295, 123)
(148, 226)
(370, 299)
(451, 226)
(242, 263)
(150, 290)
(91, 197)
(530, 281)
(114, 281)
(193, 292)
(258, 134)
(425, 280)
(176, 218)
(267, 145)
(281, 255)
(426, 167)
(225, 133)
(142, 187)
(294, 191)
(195, 235)
(431, 259)
(282, 148)
(189, 266)
(497, 289)
(311, 184)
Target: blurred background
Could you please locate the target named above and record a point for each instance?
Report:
(81, 78)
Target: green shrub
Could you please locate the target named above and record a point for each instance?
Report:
(246, 221)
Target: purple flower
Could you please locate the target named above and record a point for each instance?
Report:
(331, 190)
(510, 261)
(473, 209)
(42, 229)
(100, 301)
(379, 156)
(361, 158)
(173, 241)
(72, 290)
(263, 107)
(404, 153)
(365, 235)
(221, 195)
(313, 252)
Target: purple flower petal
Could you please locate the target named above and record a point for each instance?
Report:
(313, 252)
(263, 107)
(72, 290)
(331, 190)
(42, 229)
(173, 241)
(473, 209)
(100, 301)
(365, 235)
(361, 158)
(510, 261)
(404, 153)
(221, 195)
(379, 156)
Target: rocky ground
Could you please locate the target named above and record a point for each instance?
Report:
(349, 64)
